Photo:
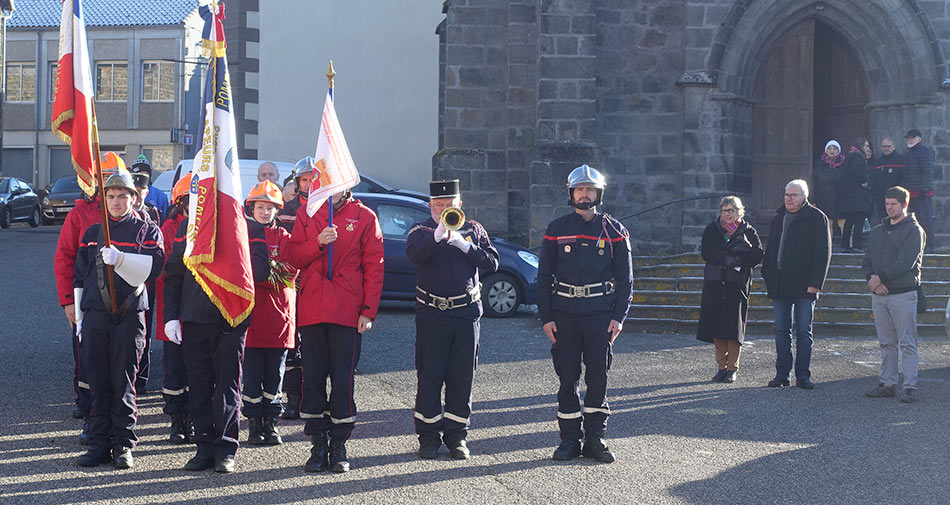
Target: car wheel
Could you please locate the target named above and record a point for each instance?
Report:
(35, 218)
(4, 217)
(501, 295)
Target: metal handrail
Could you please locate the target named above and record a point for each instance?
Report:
(667, 203)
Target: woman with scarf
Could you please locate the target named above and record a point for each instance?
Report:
(731, 249)
(853, 195)
(824, 178)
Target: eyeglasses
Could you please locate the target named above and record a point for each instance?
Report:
(887, 146)
(727, 211)
(792, 195)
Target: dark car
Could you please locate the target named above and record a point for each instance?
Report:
(18, 203)
(370, 185)
(503, 291)
(60, 199)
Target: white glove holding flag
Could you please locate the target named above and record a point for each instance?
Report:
(456, 239)
(440, 232)
(77, 298)
(112, 256)
(173, 331)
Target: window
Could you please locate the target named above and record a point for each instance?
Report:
(158, 81)
(160, 158)
(395, 220)
(112, 82)
(52, 81)
(21, 82)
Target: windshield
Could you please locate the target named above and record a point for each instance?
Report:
(65, 185)
(4, 185)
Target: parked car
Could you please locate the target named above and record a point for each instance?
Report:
(18, 202)
(367, 184)
(503, 291)
(59, 199)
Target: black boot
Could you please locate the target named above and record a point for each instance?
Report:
(177, 435)
(338, 461)
(122, 457)
(292, 411)
(271, 437)
(319, 454)
(189, 428)
(429, 447)
(255, 431)
(568, 450)
(95, 457)
(595, 448)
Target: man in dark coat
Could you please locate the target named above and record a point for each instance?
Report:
(853, 197)
(885, 172)
(731, 249)
(796, 262)
(919, 180)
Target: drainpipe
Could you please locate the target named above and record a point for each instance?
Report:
(36, 109)
(4, 16)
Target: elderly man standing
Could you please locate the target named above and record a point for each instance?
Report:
(267, 171)
(892, 267)
(796, 262)
(919, 180)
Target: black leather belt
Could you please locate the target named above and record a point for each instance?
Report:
(586, 291)
(448, 302)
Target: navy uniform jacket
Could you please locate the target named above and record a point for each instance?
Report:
(184, 298)
(444, 270)
(287, 215)
(130, 234)
(579, 253)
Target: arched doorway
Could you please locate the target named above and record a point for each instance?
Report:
(809, 88)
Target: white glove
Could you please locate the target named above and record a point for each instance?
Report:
(79, 330)
(456, 239)
(173, 331)
(77, 298)
(112, 256)
(440, 232)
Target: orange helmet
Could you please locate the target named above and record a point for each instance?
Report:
(266, 191)
(181, 187)
(110, 163)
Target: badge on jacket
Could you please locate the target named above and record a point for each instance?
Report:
(350, 227)
(567, 249)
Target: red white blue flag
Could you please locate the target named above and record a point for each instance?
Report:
(216, 249)
(73, 111)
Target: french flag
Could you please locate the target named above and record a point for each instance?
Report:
(73, 112)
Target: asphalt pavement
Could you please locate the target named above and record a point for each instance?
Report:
(679, 438)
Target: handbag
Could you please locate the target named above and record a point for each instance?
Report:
(921, 300)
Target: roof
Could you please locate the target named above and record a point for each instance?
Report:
(47, 13)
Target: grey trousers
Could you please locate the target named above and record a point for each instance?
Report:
(895, 317)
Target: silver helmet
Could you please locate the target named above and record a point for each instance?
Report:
(121, 179)
(584, 174)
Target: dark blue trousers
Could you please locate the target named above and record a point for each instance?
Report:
(175, 381)
(213, 354)
(329, 351)
(111, 352)
(263, 374)
(80, 382)
(446, 355)
(582, 339)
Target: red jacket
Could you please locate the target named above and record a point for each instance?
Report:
(357, 265)
(273, 319)
(169, 229)
(81, 217)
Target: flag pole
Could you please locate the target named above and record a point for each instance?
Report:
(330, 75)
(103, 214)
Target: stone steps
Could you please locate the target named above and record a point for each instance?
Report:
(668, 291)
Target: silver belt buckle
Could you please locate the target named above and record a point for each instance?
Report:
(580, 291)
(443, 303)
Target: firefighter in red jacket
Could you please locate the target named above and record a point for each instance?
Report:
(334, 314)
(85, 214)
(111, 341)
(273, 322)
(175, 378)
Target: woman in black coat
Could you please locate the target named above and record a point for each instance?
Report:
(824, 180)
(854, 197)
(731, 249)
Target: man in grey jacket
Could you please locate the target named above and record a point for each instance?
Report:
(892, 267)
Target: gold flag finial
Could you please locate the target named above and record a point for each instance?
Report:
(331, 74)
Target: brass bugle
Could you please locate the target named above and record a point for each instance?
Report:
(452, 218)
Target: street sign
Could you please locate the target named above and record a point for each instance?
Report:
(188, 139)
